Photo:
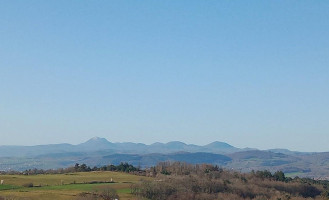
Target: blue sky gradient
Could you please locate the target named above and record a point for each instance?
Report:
(250, 73)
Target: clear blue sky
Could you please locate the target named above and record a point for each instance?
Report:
(250, 73)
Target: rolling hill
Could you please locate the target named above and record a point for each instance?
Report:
(99, 151)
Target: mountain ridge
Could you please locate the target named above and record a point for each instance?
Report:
(99, 151)
(98, 143)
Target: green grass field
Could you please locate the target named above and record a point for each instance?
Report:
(65, 186)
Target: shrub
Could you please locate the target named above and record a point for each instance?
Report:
(28, 185)
(309, 191)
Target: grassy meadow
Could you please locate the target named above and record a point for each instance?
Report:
(66, 186)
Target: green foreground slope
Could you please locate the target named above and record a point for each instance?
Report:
(65, 186)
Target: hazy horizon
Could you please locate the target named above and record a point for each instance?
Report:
(251, 74)
(145, 143)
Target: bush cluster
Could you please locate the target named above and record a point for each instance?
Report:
(180, 181)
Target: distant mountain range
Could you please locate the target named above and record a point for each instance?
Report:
(100, 144)
(99, 151)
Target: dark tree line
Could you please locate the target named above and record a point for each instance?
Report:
(122, 167)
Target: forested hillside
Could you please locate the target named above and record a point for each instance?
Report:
(183, 181)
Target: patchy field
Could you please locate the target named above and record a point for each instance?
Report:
(65, 186)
